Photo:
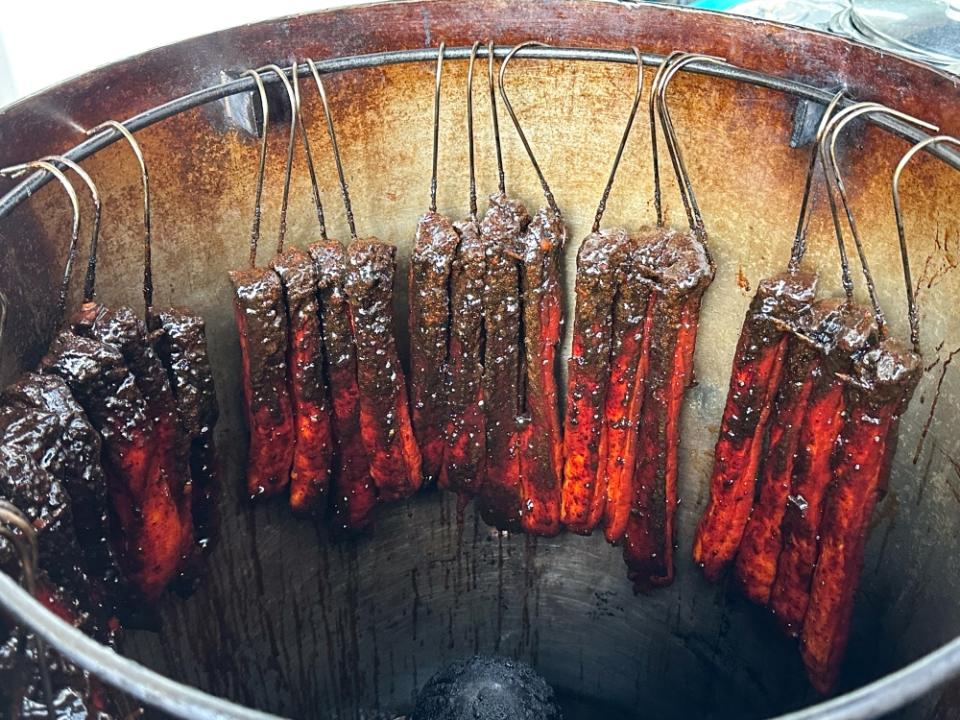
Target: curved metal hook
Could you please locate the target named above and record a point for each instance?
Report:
(17, 170)
(623, 143)
(654, 152)
(834, 127)
(913, 312)
(436, 127)
(145, 182)
(261, 171)
(501, 178)
(470, 148)
(311, 170)
(291, 143)
(516, 122)
(344, 189)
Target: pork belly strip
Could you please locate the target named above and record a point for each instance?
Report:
(887, 377)
(262, 324)
(465, 434)
(147, 538)
(431, 261)
(182, 345)
(629, 364)
(313, 448)
(501, 494)
(757, 369)
(354, 493)
(123, 329)
(541, 457)
(600, 262)
(852, 329)
(395, 461)
(683, 273)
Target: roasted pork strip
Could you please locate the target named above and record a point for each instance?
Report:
(683, 273)
(851, 329)
(431, 261)
(262, 324)
(629, 363)
(600, 263)
(465, 434)
(541, 442)
(182, 346)
(395, 461)
(886, 378)
(149, 551)
(354, 493)
(501, 495)
(313, 450)
(757, 369)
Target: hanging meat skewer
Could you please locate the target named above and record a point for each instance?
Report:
(540, 439)
(431, 263)
(680, 266)
(465, 433)
(602, 261)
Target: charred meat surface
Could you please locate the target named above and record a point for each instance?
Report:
(354, 493)
(262, 324)
(501, 495)
(757, 370)
(849, 330)
(395, 461)
(541, 440)
(600, 265)
(431, 263)
(313, 450)
(682, 271)
(182, 346)
(884, 381)
(465, 434)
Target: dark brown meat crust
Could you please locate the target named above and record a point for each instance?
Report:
(262, 324)
(354, 493)
(600, 266)
(395, 462)
(758, 364)
(501, 494)
(310, 474)
(465, 432)
(431, 262)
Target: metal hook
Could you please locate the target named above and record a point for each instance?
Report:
(516, 123)
(145, 182)
(834, 127)
(295, 77)
(261, 171)
(17, 170)
(623, 143)
(470, 148)
(344, 189)
(654, 153)
(291, 143)
(501, 178)
(799, 243)
(912, 310)
(436, 127)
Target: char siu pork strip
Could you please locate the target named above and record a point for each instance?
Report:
(310, 474)
(354, 493)
(885, 379)
(501, 495)
(182, 345)
(395, 461)
(148, 536)
(600, 262)
(431, 260)
(683, 273)
(82, 475)
(541, 443)
(852, 329)
(465, 434)
(125, 331)
(262, 324)
(629, 363)
(757, 369)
